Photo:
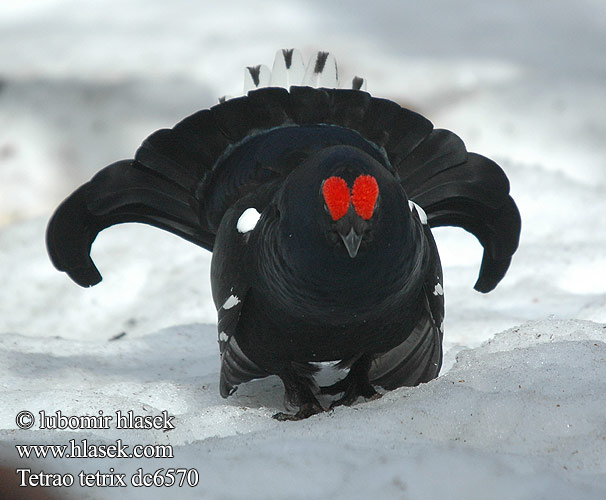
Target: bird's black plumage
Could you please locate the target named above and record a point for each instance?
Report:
(288, 291)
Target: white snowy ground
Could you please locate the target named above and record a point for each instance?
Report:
(521, 414)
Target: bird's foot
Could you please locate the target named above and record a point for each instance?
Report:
(354, 385)
(305, 411)
(352, 394)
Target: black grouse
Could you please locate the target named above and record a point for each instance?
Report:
(317, 204)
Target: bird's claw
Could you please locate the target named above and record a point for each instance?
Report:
(352, 388)
(305, 411)
(350, 399)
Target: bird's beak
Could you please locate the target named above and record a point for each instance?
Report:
(352, 242)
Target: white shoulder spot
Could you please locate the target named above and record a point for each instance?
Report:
(231, 301)
(248, 220)
(420, 211)
(438, 290)
(223, 337)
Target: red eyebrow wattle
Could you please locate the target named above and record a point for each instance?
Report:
(365, 194)
(336, 195)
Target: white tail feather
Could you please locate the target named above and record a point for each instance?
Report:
(322, 71)
(256, 77)
(289, 70)
(358, 83)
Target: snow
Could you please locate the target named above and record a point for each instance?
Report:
(520, 417)
(514, 415)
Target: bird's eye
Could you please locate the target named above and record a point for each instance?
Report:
(333, 237)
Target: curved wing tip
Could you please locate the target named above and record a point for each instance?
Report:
(491, 273)
(483, 286)
(85, 276)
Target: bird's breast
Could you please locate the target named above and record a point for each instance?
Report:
(327, 333)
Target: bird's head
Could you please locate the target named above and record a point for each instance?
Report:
(341, 203)
(350, 208)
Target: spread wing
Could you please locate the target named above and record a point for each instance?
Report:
(457, 188)
(184, 179)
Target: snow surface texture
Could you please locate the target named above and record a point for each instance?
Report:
(521, 414)
(520, 417)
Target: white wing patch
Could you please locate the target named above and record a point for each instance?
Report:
(231, 301)
(438, 290)
(421, 213)
(248, 220)
(223, 337)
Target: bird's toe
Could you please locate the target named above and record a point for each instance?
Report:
(305, 411)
